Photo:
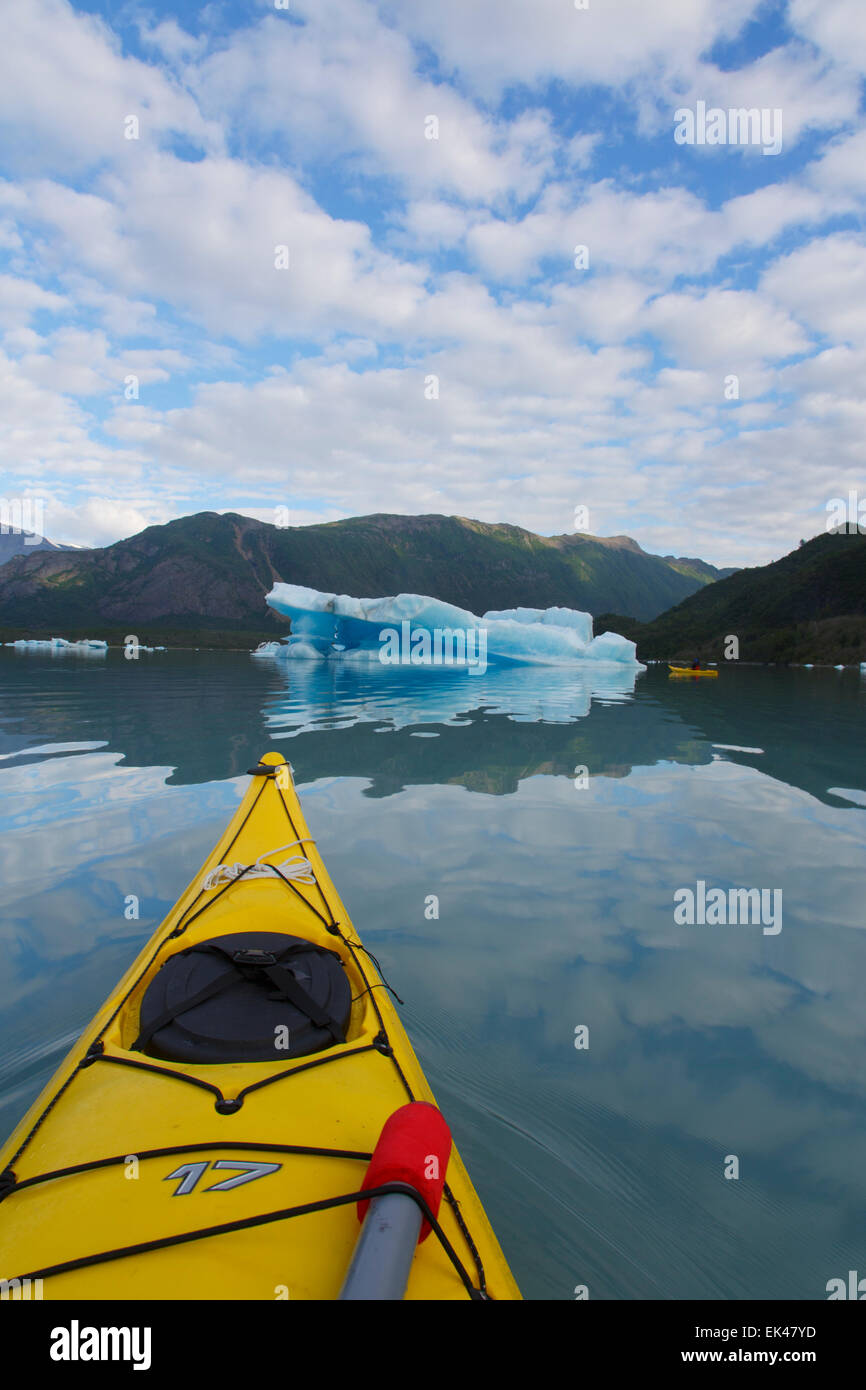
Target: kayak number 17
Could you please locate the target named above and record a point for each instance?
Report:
(188, 1175)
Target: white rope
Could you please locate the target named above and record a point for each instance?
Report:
(295, 867)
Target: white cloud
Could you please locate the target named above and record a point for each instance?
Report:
(433, 225)
(841, 171)
(835, 26)
(204, 236)
(344, 86)
(809, 93)
(757, 218)
(171, 41)
(603, 308)
(45, 435)
(70, 361)
(75, 362)
(20, 299)
(660, 233)
(120, 316)
(96, 521)
(493, 44)
(164, 266)
(824, 284)
(64, 79)
(724, 329)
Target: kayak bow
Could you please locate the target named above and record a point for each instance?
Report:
(251, 1057)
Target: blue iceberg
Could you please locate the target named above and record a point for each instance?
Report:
(416, 630)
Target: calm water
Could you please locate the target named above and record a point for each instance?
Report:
(600, 1166)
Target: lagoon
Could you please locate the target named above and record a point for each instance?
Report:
(553, 814)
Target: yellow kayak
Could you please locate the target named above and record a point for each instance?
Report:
(211, 1134)
(688, 671)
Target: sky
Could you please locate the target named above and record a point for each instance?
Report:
(310, 259)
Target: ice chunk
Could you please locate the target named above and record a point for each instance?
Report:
(57, 646)
(552, 617)
(303, 651)
(417, 630)
(609, 646)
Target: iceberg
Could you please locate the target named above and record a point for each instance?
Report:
(416, 630)
(88, 645)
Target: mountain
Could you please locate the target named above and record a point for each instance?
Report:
(14, 543)
(698, 569)
(209, 573)
(808, 606)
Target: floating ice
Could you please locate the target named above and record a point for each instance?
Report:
(415, 630)
(90, 645)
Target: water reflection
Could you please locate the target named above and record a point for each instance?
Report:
(318, 692)
(208, 716)
(555, 909)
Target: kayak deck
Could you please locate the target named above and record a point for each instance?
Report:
(141, 1178)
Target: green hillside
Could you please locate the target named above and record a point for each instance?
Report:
(209, 573)
(808, 606)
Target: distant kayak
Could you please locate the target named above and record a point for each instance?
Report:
(239, 1103)
(690, 671)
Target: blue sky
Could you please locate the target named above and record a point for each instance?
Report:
(432, 346)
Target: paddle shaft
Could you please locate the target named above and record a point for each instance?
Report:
(384, 1252)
